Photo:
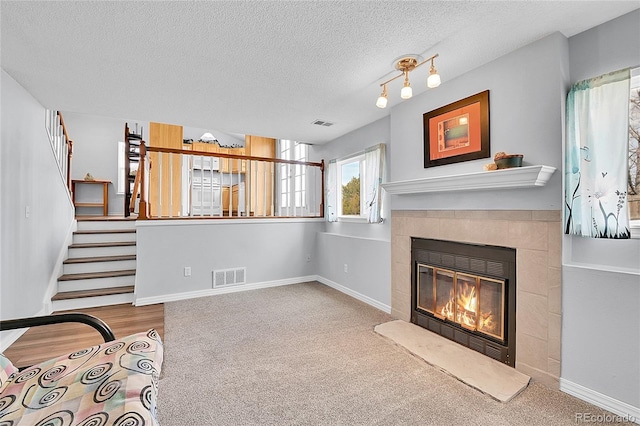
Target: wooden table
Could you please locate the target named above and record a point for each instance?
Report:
(105, 194)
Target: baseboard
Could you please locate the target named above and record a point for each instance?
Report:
(52, 288)
(361, 297)
(627, 413)
(141, 301)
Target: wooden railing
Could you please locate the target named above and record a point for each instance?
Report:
(61, 144)
(175, 183)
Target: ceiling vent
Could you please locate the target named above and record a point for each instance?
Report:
(322, 123)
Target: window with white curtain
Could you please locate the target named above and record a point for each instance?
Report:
(350, 194)
(596, 157)
(352, 187)
(292, 178)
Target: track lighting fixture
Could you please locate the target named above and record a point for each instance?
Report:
(406, 64)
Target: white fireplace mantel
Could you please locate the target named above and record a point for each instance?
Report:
(517, 177)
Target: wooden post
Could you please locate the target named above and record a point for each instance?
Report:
(142, 215)
(69, 155)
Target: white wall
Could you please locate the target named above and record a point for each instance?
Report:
(525, 105)
(601, 278)
(95, 151)
(365, 248)
(30, 247)
(273, 251)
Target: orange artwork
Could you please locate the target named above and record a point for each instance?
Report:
(457, 132)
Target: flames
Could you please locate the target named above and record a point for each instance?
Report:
(463, 309)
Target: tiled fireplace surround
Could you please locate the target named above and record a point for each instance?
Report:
(535, 234)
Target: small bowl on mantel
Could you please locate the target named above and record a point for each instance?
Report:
(509, 161)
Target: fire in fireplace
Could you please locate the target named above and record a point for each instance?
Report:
(466, 293)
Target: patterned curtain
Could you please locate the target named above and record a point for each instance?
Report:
(374, 168)
(331, 197)
(596, 157)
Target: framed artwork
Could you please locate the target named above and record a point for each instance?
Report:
(457, 132)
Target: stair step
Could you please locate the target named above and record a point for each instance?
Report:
(92, 275)
(100, 259)
(91, 302)
(103, 244)
(85, 265)
(93, 293)
(101, 251)
(100, 269)
(92, 224)
(104, 236)
(105, 231)
(95, 283)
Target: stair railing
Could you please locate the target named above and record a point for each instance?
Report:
(61, 144)
(257, 198)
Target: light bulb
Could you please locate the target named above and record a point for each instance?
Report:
(381, 102)
(433, 80)
(406, 92)
(434, 77)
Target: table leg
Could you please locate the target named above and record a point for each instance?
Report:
(105, 199)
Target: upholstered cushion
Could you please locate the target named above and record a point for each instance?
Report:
(6, 370)
(112, 383)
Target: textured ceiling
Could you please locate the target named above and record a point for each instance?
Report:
(261, 67)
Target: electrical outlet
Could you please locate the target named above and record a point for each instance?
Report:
(308, 258)
(187, 271)
(27, 211)
(346, 267)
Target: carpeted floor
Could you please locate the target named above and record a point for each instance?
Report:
(306, 354)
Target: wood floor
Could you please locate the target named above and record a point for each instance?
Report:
(41, 343)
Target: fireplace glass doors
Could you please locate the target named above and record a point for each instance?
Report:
(466, 293)
(472, 301)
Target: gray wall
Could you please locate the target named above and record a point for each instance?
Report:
(272, 251)
(601, 277)
(525, 104)
(29, 247)
(365, 248)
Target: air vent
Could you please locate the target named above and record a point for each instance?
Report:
(322, 123)
(495, 268)
(228, 277)
(477, 265)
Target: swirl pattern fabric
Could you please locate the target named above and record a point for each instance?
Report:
(6, 370)
(115, 383)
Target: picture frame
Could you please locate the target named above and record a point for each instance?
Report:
(457, 132)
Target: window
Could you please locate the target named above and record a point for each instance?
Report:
(292, 178)
(350, 195)
(633, 194)
(353, 189)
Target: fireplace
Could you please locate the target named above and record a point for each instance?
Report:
(466, 293)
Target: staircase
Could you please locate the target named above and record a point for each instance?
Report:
(100, 268)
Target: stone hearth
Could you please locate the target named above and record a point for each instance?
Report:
(535, 234)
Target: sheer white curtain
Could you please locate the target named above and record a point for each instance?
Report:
(331, 195)
(374, 169)
(596, 157)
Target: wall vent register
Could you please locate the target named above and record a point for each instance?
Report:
(229, 277)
